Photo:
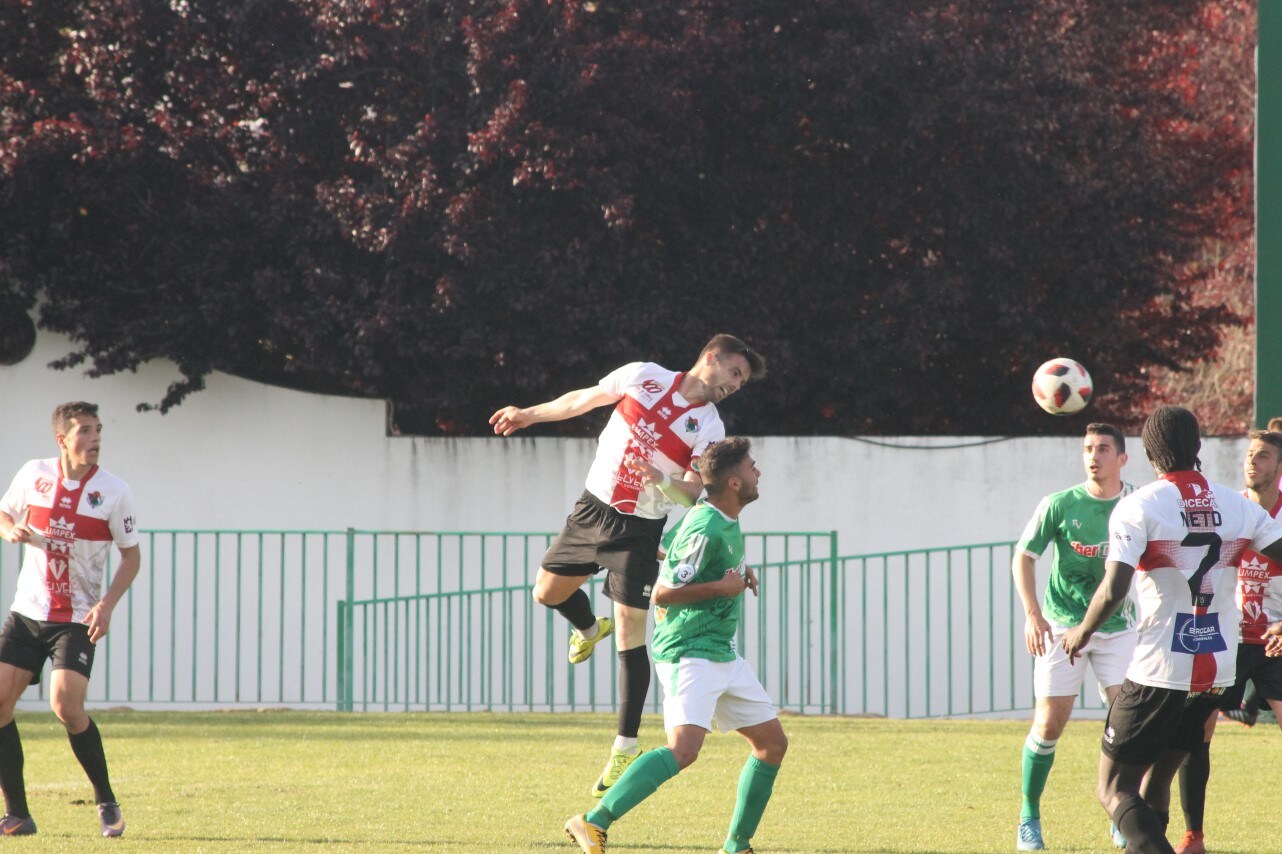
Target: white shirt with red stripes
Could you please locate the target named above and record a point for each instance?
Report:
(1259, 591)
(1186, 537)
(655, 423)
(75, 524)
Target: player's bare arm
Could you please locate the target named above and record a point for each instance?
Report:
(1037, 630)
(684, 490)
(509, 419)
(99, 617)
(1108, 597)
(729, 585)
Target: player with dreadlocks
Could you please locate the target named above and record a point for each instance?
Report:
(1181, 538)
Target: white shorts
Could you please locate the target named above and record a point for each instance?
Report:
(697, 691)
(1109, 654)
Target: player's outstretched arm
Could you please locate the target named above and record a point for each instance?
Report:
(509, 419)
(684, 490)
(1108, 597)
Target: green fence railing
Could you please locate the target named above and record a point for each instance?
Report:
(428, 620)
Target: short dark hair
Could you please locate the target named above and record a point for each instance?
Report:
(65, 413)
(1269, 437)
(1172, 439)
(1099, 428)
(719, 459)
(724, 343)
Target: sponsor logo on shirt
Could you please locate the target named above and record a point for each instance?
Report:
(665, 412)
(129, 524)
(61, 529)
(64, 502)
(43, 486)
(652, 388)
(1197, 633)
(1097, 550)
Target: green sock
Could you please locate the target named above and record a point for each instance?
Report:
(1039, 756)
(756, 782)
(647, 772)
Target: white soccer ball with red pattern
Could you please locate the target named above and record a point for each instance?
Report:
(1062, 387)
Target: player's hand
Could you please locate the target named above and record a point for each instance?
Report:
(1074, 642)
(98, 620)
(20, 531)
(1037, 634)
(732, 583)
(648, 474)
(1273, 636)
(509, 419)
(750, 579)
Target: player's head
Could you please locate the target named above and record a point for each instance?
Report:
(78, 431)
(727, 465)
(1103, 452)
(1172, 440)
(1275, 425)
(725, 364)
(1263, 464)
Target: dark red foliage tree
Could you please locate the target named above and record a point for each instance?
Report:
(460, 205)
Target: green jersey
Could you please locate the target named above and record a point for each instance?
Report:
(706, 544)
(1077, 523)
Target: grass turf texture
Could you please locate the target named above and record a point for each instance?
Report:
(277, 781)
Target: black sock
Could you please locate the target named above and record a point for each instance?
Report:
(578, 610)
(11, 782)
(87, 746)
(634, 684)
(1194, 774)
(1141, 826)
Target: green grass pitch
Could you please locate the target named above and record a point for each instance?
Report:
(297, 781)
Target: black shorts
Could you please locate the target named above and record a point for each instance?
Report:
(1254, 665)
(26, 644)
(1144, 722)
(596, 537)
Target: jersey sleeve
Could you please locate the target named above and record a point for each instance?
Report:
(618, 380)
(713, 430)
(1038, 532)
(688, 553)
(14, 502)
(1268, 529)
(123, 523)
(1127, 533)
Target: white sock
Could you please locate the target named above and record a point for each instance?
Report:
(589, 634)
(622, 743)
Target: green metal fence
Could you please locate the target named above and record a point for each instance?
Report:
(366, 620)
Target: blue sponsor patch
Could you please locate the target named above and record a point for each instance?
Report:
(1197, 633)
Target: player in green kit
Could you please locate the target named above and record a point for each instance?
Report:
(699, 602)
(1076, 521)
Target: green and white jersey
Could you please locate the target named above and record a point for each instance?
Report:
(706, 544)
(1077, 523)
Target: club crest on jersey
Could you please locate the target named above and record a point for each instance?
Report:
(692, 424)
(1197, 633)
(95, 499)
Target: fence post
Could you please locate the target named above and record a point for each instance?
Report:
(346, 627)
(834, 622)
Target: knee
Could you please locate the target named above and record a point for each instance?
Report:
(543, 596)
(775, 750)
(684, 754)
(71, 714)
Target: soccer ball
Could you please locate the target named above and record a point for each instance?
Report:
(1062, 387)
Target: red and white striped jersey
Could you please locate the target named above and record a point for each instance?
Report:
(1186, 537)
(75, 523)
(654, 423)
(1259, 591)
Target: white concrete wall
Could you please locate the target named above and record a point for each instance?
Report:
(244, 455)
